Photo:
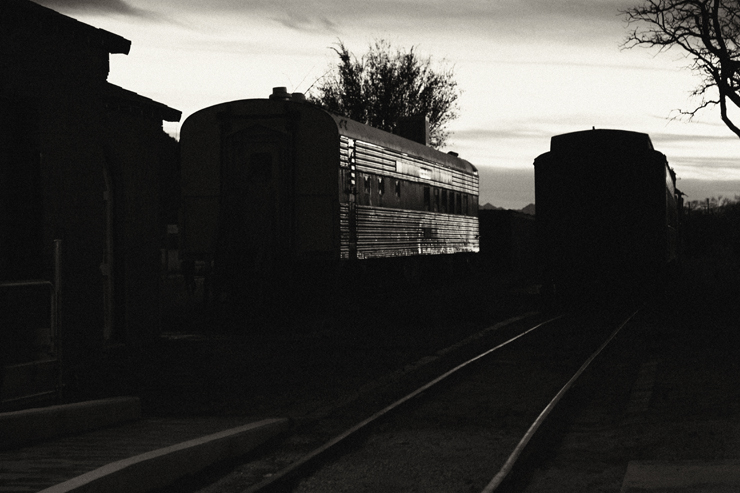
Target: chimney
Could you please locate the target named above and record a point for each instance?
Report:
(280, 94)
(414, 128)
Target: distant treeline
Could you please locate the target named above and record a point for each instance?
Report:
(712, 227)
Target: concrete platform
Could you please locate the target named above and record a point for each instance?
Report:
(682, 477)
(132, 456)
(44, 423)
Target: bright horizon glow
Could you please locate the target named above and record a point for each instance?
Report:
(528, 69)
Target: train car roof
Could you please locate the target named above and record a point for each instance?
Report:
(366, 133)
(355, 130)
(601, 140)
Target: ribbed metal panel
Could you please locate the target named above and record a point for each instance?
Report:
(371, 158)
(383, 232)
(344, 152)
(375, 157)
(344, 230)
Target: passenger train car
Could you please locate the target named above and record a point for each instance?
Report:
(607, 212)
(273, 188)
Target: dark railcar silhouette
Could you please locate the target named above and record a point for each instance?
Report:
(607, 212)
(276, 187)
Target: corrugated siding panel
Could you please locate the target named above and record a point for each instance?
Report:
(343, 152)
(375, 158)
(344, 230)
(370, 158)
(385, 232)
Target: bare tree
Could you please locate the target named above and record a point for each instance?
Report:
(385, 85)
(708, 31)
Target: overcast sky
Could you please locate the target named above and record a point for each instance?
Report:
(528, 69)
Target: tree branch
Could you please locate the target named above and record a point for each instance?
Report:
(708, 31)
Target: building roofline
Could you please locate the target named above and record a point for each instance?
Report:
(118, 98)
(12, 11)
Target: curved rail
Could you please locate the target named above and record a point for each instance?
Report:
(293, 468)
(509, 464)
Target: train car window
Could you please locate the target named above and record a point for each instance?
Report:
(435, 203)
(398, 188)
(443, 205)
(458, 203)
(452, 202)
(427, 199)
(465, 204)
(260, 167)
(381, 185)
(367, 184)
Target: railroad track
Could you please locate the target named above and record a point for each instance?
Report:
(464, 429)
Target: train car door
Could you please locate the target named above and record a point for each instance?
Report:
(255, 218)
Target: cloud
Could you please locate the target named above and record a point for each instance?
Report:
(533, 17)
(692, 138)
(711, 164)
(484, 134)
(300, 21)
(525, 19)
(122, 8)
(528, 19)
(115, 7)
(699, 189)
(535, 128)
(544, 128)
(578, 10)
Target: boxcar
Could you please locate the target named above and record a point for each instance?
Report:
(507, 242)
(606, 211)
(273, 187)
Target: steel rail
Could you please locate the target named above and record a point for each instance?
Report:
(511, 461)
(293, 468)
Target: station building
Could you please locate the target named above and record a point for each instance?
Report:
(84, 166)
